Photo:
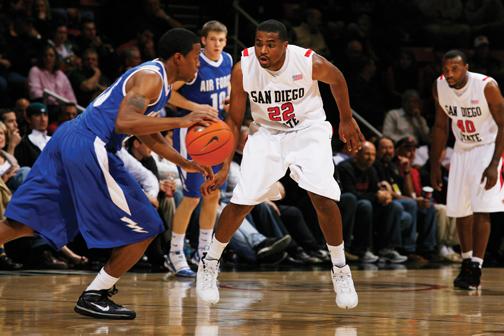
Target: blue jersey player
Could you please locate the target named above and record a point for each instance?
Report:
(209, 90)
(79, 184)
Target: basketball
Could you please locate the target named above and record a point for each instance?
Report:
(210, 145)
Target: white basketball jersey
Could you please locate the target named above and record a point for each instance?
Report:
(472, 122)
(287, 99)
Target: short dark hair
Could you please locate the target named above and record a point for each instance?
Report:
(176, 40)
(454, 53)
(273, 26)
(4, 111)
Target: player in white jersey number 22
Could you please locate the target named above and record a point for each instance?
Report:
(290, 133)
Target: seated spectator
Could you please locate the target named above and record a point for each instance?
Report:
(366, 94)
(130, 57)
(10, 171)
(359, 177)
(401, 76)
(33, 143)
(395, 173)
(20, 108)
(88, 82)
(89, 38)
(6, 263)
(65, 112)
(309, 35)
(13, 138)
(408, 120)
(63, 47)
(47, 75)
(483, 62)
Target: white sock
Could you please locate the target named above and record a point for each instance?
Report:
(102, 281)
(478, 260)
(216, 248)
(205, 236)
(337, 255)
(177, 242)
(467, 255)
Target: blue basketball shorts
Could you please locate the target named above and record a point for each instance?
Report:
(77, 185)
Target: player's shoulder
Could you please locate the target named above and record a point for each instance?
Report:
(227, 57)
(248, 52)
(304, 52)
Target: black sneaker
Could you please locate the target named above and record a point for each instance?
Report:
(7, 264)
(272, 246)
(96, 303)
(469, 276)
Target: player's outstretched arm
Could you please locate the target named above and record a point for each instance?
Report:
(326, 72)
(143, 89)
(178, 100)
(439, 138)
(496, 106)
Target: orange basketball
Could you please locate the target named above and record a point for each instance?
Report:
(210, 145)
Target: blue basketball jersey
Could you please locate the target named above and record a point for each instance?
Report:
(101, 114)
(211, 85)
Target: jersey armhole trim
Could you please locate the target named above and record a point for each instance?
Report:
(146, 68)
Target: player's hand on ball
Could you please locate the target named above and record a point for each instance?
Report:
(490, 174)
(349, 133)
(194, 167)
(198, 117)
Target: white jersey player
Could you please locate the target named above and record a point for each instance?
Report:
(475, 105)
(289, 132)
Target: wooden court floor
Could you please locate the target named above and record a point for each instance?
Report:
(392, 302)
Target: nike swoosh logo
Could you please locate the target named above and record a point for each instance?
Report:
(105, 309)
(214, 138)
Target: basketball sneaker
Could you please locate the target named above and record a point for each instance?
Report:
(206, 280)
(176, 263)
(96, 303)
(469, 276)
(346, 296)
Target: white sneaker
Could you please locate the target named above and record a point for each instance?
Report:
(346, 296)
(206, 280)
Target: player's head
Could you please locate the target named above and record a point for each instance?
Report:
(455, 68)
(270, 44)
(214, 38)
(181, 47)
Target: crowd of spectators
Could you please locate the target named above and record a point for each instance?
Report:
(389, 52)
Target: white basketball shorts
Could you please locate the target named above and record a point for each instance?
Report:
(466, 192)
(268, 153)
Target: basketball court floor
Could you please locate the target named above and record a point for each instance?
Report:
(274, 302)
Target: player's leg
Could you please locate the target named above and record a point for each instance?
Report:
(208, 215)
(480, 235)
(177, 261)
(206, 281)
(121, 218)
(465, 232)
(313, 170)
(261, 168)
(329, 218)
